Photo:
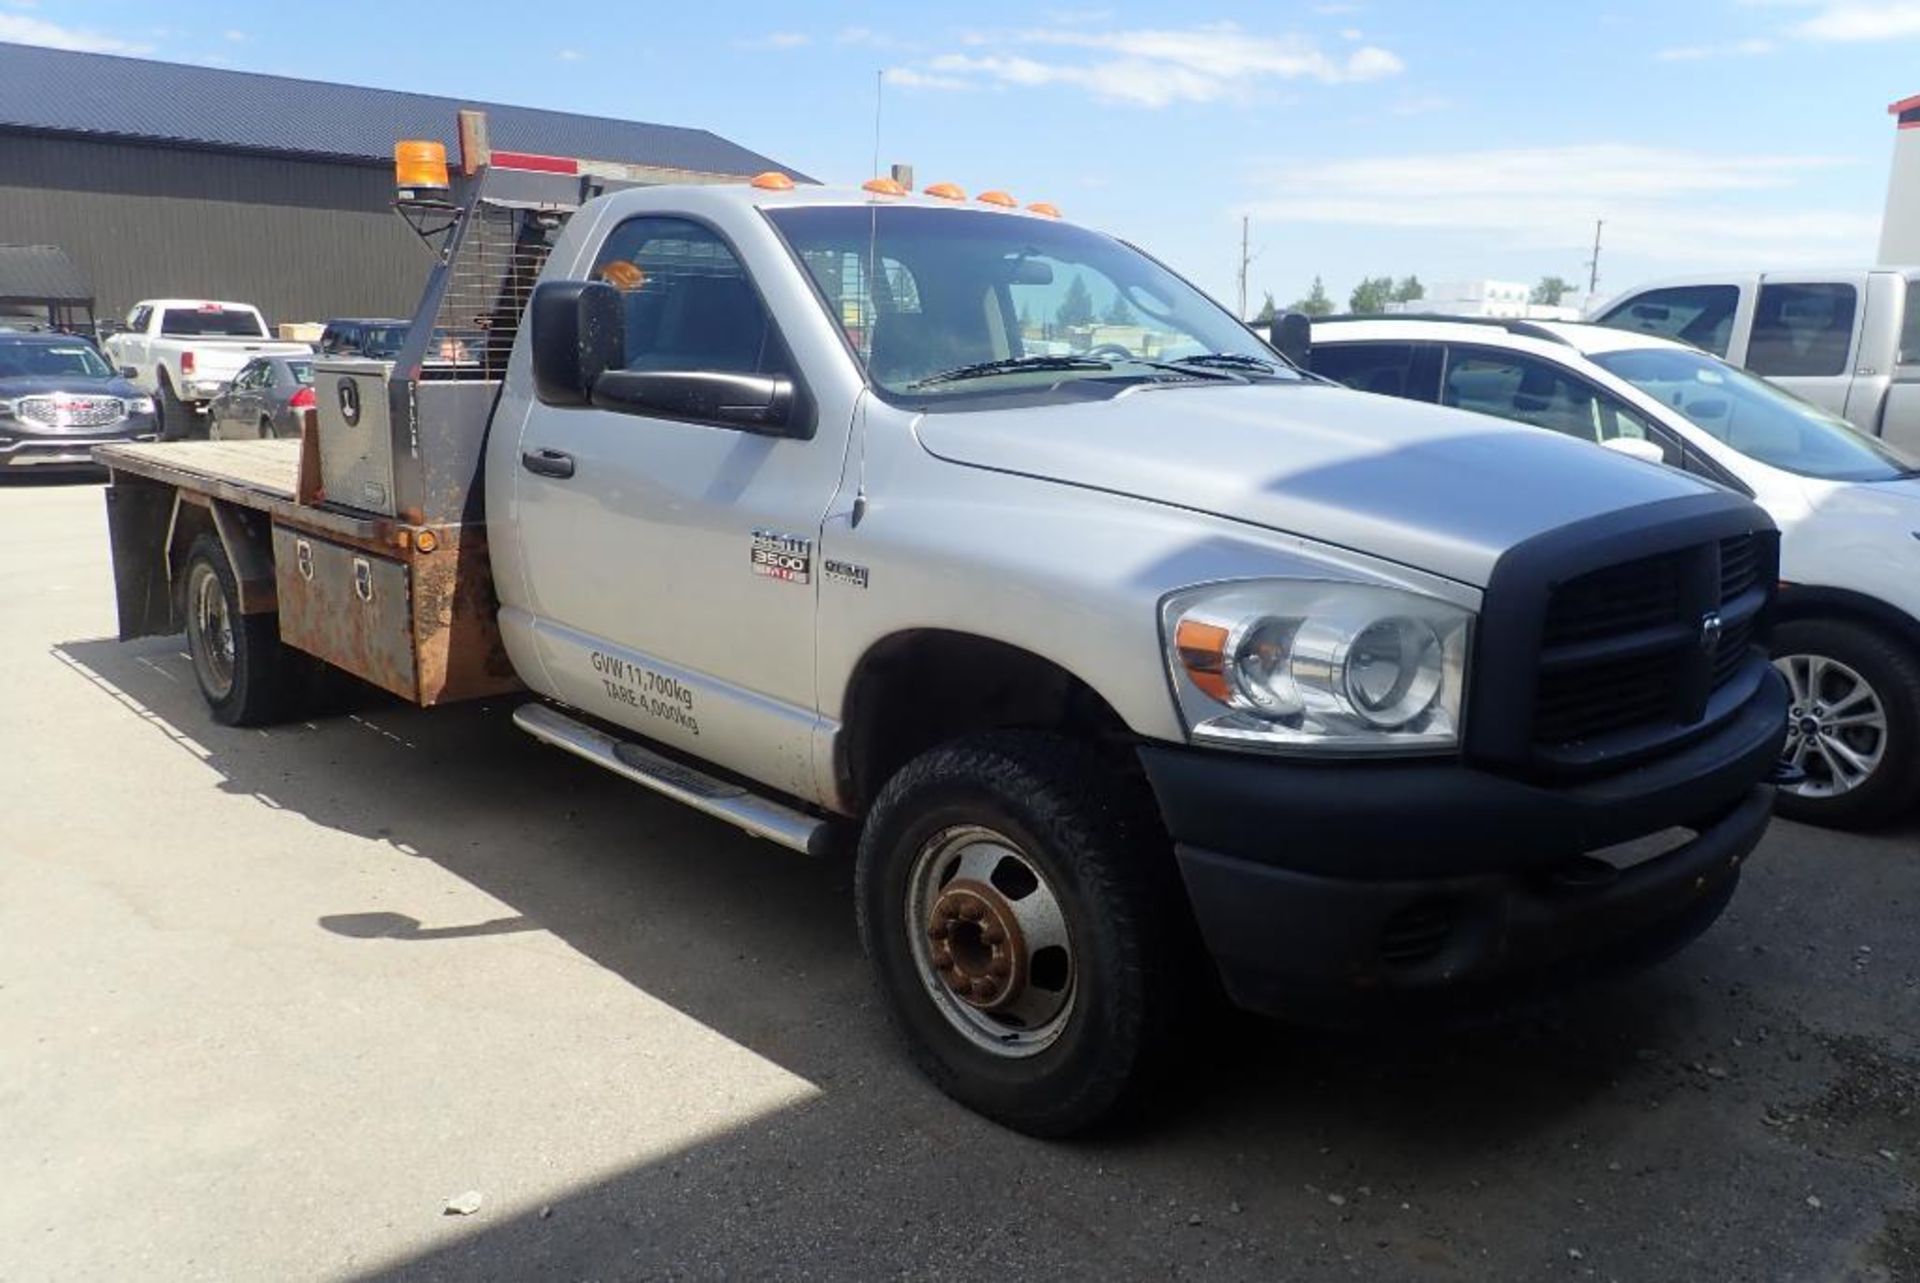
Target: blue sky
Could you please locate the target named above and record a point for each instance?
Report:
(1452, 138)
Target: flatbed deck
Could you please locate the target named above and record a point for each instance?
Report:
(262, 475)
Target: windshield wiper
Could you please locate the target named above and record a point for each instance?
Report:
(1012, 364)
(1231, 361)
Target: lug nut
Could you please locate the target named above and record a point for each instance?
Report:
(971, 910)
(993, 935)
(940, 930)
(983, 988)
(1001, 967)
(943, 959)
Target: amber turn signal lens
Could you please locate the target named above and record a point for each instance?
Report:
(1203, 653)
(773, 181)
(946, 191)
(426, 541)
(1001, 199)
(883, 187)
(1044, 209)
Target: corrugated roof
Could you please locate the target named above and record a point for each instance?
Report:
(58, 91)
(41, 274)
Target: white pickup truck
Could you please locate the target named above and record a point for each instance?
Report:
(1138, 671)
(184, 350)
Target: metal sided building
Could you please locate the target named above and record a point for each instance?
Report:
(162, 180)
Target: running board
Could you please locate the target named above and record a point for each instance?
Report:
(761, 816)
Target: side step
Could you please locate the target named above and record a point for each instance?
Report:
(760, 816)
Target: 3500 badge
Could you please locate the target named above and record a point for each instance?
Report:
(780, 556)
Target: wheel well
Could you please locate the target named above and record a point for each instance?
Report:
(1799, 603)
(914, 690)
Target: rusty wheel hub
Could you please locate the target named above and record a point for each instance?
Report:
(975, 945)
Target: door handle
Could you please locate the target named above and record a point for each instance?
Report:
(547, 463)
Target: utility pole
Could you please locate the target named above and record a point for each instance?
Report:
(1242, 313)
(1593, 264)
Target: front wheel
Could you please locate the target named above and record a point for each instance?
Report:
(1853, 722)
(1019, 906)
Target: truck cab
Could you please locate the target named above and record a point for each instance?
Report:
(1848, 341)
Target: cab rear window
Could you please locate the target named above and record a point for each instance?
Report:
(193, 322)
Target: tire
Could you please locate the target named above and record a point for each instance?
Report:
(266, 428)
(1097, 1004)
(244, 671)
(1839, 670)
(176, 417)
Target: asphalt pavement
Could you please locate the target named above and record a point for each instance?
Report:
(273, 1003)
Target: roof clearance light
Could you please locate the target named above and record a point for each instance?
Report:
(1002, 199)
(420, 169)
(883, 187)
(773, 181)
(1043, 209)
(945, 191)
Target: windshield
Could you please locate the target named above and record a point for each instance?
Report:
(211, 322)
(36, 359)
(1756, 418)
(383, 341)
(1009, 305)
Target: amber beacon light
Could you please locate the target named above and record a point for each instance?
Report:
(420, 170)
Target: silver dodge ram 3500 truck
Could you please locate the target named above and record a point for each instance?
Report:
(1135, 658)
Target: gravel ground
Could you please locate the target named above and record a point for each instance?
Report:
(269, 1001)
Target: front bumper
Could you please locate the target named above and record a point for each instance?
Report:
(53, 450)
(1342, 892)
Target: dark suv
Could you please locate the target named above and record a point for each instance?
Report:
(376, 337)
(59, 398)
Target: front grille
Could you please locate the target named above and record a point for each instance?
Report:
(71, 412)
(1632, 654)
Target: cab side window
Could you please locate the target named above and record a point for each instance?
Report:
(1509, 385)
(1804, 330)
(1910, 327)
(1698, 314)
(1385, 368)
(138, 321)
(689, 305)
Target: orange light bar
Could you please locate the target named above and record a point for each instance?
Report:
(1044, 209)
(773, 181)
(420, 165)
(883, 187)
(1002, 199)
(426, 541)
(1203, 653)
(945, 191)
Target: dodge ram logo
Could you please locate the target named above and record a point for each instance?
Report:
(1710, 629)
(350, 402)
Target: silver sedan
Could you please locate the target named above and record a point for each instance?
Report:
(264, 400)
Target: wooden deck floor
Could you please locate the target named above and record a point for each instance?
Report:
(269, 467)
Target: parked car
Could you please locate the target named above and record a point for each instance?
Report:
(1848, 341)
(376, 337)
(1847, 635)
(264, 400)
(59, 398)
(184, 351)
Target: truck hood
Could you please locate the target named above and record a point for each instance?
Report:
(1439, 490)
(78, 385)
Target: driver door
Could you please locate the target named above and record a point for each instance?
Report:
(672, 567)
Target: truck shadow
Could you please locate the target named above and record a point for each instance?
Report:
(1260, 1134)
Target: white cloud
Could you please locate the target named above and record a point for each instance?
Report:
(1151, 67)
(1697, 53)
(1658, 203)
(570, 55)
(908, 78)
(235, 35)
(1854, 20)
(865, 37)
(778, 40)
(19, 29)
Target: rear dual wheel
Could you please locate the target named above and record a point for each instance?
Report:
(245, 673)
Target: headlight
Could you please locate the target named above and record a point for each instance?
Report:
(140, 405)
(1309, 666)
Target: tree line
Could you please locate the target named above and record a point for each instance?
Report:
(1373, 294)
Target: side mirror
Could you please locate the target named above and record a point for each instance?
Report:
(1291, 336)
(760, 403)
(1636, 448)
(128, 372)
(579, 333)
